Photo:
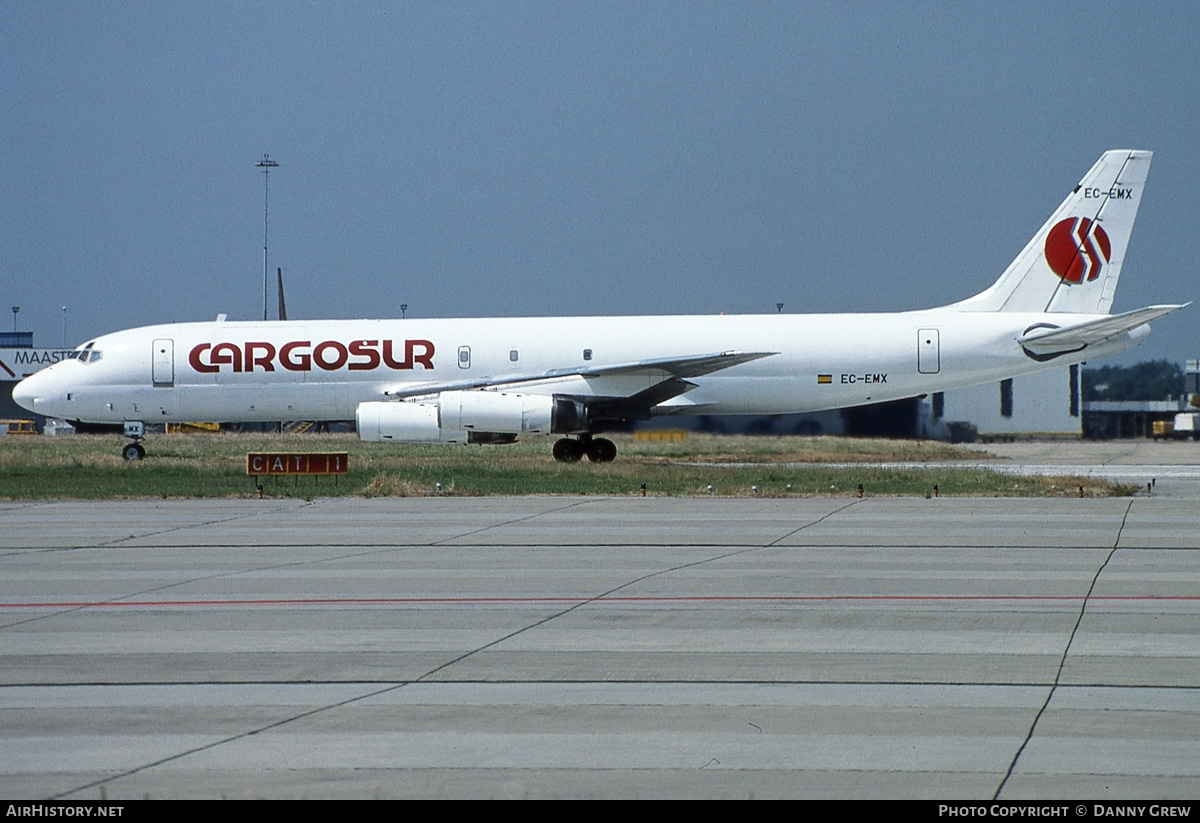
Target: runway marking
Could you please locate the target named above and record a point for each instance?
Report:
(594, 599)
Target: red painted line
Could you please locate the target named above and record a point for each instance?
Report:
(409, 601)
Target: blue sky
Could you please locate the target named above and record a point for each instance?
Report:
(476, 159)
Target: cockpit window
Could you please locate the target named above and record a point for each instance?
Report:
(88, 354)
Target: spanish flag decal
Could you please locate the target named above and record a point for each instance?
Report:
(824, 378)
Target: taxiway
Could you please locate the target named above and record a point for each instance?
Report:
(601, 647)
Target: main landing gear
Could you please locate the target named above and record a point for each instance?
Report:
(598, 450)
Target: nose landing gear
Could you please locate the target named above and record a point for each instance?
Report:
(135, 450)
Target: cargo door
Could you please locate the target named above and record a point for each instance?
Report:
(162, 362)
(929, 358)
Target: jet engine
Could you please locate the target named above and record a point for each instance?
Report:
(469, 416)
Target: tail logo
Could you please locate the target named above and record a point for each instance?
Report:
(1077, 248)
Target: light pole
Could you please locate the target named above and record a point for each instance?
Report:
(15, 310)
(64, 327)
(266, 164)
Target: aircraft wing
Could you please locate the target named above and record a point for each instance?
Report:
(1046, 340)
(646, 378)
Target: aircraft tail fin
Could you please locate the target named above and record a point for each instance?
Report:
(1072, 264)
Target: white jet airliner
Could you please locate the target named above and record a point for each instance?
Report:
(490, 380)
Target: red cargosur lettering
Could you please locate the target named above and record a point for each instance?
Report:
(302, 355)
(364, 348)
(301, 362)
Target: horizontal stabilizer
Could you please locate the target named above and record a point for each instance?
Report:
(664, 368)
(1045, 339)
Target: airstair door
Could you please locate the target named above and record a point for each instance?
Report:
(162, 362)
(929, 358)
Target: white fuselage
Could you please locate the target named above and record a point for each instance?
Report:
(322, 370)
(490, 380)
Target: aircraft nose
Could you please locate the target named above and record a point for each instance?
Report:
(25, 393)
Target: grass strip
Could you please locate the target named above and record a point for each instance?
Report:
(213, 465)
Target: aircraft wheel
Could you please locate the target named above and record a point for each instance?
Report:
(602, 450)
(133, 451)
(567, 450)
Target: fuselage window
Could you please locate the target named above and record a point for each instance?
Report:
(464, 357)
(512, 355)
(587, 354)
